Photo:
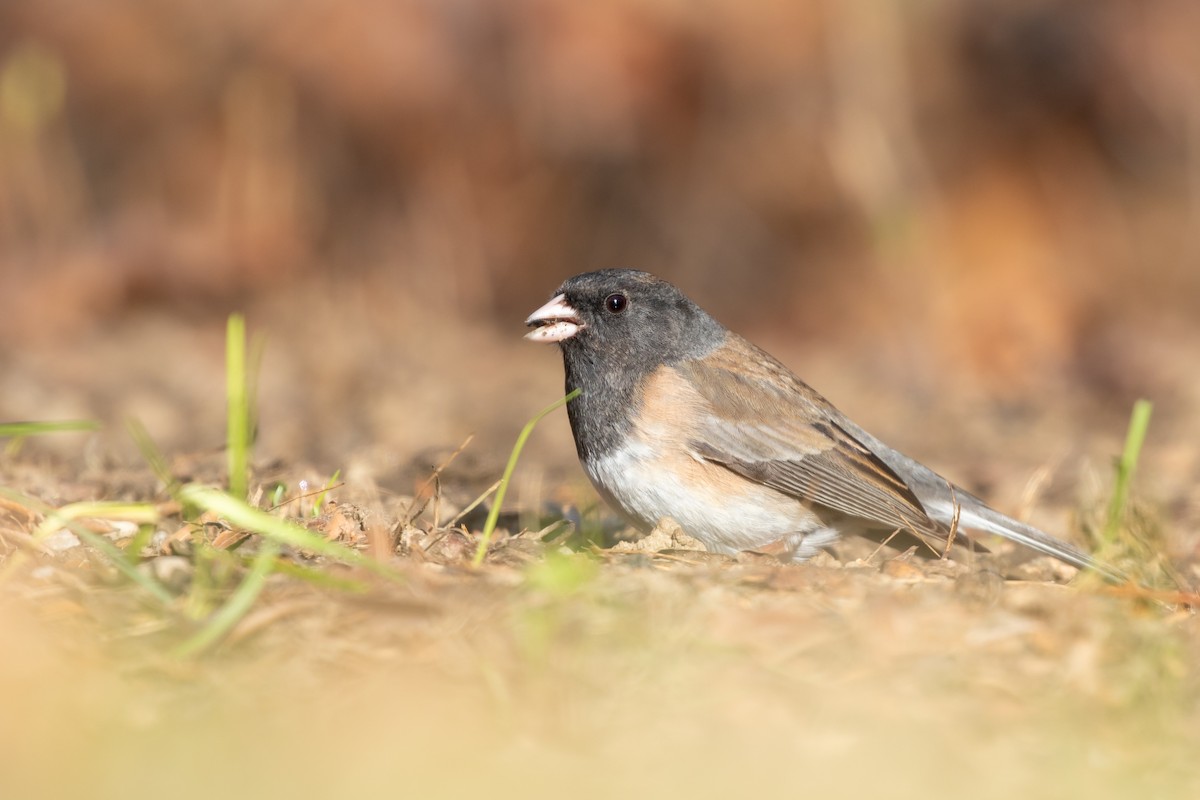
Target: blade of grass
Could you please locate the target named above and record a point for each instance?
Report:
(37, 428)
(1139, 422)
(278, 501)
(238, 604)
(243, 515)
(210, 575)
(98, 509)
(320, 577)
(258, 348)
(473, 504)
(139, 542)
(19, 431)
(153, 456)
(490, 525)
(237, 431)
(320, 501)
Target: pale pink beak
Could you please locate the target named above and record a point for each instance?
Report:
(555, 322)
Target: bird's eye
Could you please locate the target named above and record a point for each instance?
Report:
(616, 303)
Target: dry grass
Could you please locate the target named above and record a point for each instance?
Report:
(614, 673)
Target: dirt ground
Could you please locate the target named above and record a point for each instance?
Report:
(582, 670)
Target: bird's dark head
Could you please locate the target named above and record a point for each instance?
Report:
(630, 321)
(615, 327)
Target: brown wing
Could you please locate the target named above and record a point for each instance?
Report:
(765, 424)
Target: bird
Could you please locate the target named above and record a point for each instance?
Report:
(680, 418)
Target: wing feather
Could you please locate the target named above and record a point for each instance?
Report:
(765, 424)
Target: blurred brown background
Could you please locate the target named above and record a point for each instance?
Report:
(973, 225)
(992, 194)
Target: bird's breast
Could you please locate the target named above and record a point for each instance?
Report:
(654, 474)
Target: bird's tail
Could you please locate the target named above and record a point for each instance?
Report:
(982, 518)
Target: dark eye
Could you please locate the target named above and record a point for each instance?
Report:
(616, 303)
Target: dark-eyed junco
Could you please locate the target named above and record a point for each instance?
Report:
(681, 418)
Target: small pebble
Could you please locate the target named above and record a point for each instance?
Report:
(173, 572)
(902, 570)
(61, 541)
(981, 588)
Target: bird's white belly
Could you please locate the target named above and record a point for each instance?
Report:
(743, 516)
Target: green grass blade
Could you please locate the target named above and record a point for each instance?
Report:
(23, 429)
(238, 604)
(242, 515)
(321, 577)
(489, 526)
(258, 348)
(319, 502)
(1139, 422)
(237, 402)
(17, 432)
(153, 456)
